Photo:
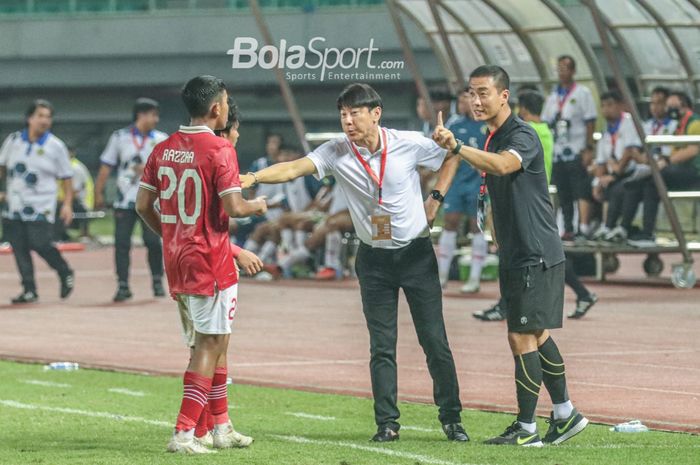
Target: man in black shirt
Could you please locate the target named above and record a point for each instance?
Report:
(530, 252)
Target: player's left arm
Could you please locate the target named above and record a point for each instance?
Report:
(145, 207)
(499, 164)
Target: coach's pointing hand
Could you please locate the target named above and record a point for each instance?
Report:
(443, 136)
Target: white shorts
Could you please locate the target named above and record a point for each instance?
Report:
(207, 315)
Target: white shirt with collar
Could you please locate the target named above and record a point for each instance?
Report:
(32, 171)
(613, 147)
(402, 198)
(655, 127)
(576, 110)
(126, 149)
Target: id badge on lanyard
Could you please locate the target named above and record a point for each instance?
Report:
(380, 219)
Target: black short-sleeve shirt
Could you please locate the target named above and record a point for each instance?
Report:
(523, 215)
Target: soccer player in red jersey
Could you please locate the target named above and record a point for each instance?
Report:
(194, 177)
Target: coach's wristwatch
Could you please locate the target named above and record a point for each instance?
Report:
(255, 178)
(437, 195)
(458, 147)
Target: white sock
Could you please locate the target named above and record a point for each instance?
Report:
(299, 238)
(297, 255)
(332, 256)
(251, 245)
(287, 236)
(529, 427)
(584, 229)
(446, 252)
(267, 251)
(563, 410)
(185, 435)
(479, 251)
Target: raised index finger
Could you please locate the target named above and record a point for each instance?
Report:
(439, 118)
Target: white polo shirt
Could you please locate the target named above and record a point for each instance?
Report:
(401, 192)
(569, 123)
(614, 144)
(654, 127)
(32, 171)
(126, 149)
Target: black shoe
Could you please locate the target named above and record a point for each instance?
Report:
(455, 432)
(516, 435)
(67, 284)
(583, 305)
(565, 428)
(158, 290)
(123, 293)
(26, 297)
(385, 435)
(494, 313)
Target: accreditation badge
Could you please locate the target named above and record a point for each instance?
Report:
(381, 228)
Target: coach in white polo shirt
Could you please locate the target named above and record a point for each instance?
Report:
(33, 159)
(127, 151)
(376, 169)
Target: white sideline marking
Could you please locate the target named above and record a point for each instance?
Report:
(127, 392)
(419, 429)
(310, 416)
(85, 413)
(301, 363)
(38, 382)
(376, 450)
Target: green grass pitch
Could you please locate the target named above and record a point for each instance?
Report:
(105, 418)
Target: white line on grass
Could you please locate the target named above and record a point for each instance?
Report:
(420, 429)
(38, 382)
(127, 392)
(86, 413)
(310, 416)
(300, 363)
(351, 445)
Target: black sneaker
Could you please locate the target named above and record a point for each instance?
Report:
(516, 435)
(385, 435)
(642, 240)
(26, 297)
(455, 432)
(158, 289)
(566, 428)
(495, 313)
(123, 293)
(583, 305)
(67, 284)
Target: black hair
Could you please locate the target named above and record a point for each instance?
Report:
(499, 75)
(531, 101)
(358, 95)
(527, 88)
(199, 93)
(233, 118)
(274, 134)
(612, 94)
(143, 105)
(661, 90)
(36, 104)
(440, 95)
(685, 99)
(571, 61)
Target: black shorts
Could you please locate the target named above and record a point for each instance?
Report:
(533, 296)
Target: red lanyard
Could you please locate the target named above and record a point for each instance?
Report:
(683, 123)
(562, 101)
(138, 146)
(482, 187)
(378, 180)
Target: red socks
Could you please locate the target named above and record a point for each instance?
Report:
(218, 397)
(194, 399)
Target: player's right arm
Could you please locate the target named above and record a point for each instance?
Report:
(145, 207)
(279, 173)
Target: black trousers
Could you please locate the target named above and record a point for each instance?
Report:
(25, 236)
(124, 221)
(683, 176)
(382, 272)
(572, 183)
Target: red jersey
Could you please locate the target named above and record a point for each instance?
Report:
(192, 170)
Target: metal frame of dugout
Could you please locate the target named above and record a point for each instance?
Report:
(682, 275)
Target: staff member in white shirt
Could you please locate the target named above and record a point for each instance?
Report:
(127, 151)
(571, 112)
(33, 160)
(377, 171)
